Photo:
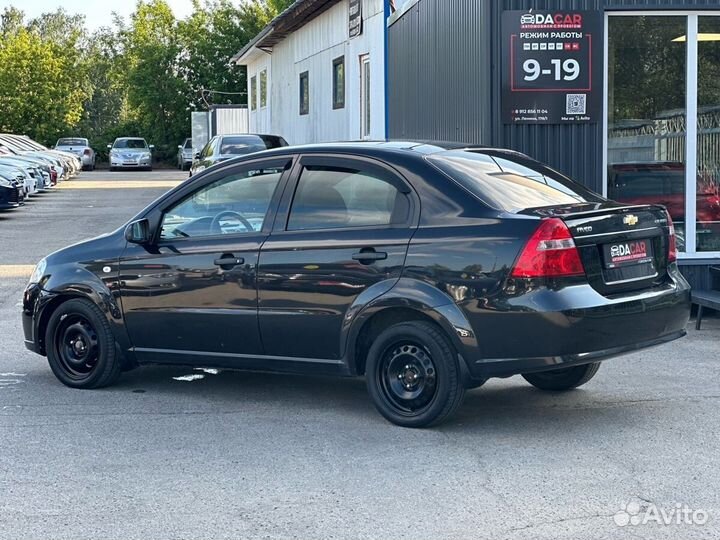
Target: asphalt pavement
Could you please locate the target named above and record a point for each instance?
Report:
(177, 453)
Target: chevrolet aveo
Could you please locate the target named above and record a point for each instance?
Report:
(427, 269)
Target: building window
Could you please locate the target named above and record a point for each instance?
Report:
(365, 96)
(253, 93)
(338, 90)
(263, 88)
(304, 93)
(663, 145)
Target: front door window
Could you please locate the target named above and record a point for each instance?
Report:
(235, 204)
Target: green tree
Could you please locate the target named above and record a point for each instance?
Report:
(157, 95)
(39, 93)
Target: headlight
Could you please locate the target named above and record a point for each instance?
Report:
(38, 272)
(146, 155)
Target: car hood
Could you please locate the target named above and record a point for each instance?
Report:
(86, 252)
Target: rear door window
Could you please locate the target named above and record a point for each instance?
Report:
(330, 197)
(510, 182)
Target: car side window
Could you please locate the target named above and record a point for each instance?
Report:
(335, 197)
(207, 151)
(234, 204)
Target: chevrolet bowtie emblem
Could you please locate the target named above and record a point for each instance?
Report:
(630, 220)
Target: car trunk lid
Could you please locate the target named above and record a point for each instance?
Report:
(622, 247)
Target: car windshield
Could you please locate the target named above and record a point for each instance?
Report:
(188, 144)
(72, 142)
(509, 181)
(130, 143)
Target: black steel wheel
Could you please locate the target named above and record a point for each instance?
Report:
(80, 346)
(413, 376)
(564, 378)
(408, 376)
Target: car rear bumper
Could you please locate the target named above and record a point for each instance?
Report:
(547, 329)
(508, 367)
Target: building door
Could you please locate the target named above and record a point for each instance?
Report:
(365, 96)
(663, 119)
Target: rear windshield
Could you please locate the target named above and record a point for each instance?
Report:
(130, 143)
(72, 142)
(510, 182)
(247, 144)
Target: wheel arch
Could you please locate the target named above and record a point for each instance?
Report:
(93, 289)
(408, 300)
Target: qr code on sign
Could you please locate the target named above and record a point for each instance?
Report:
(575, 103)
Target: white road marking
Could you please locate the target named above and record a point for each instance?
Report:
(209, 371)
(189, 378)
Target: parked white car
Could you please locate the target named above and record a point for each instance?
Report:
(79, 147)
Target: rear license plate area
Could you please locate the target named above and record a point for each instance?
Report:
(628, 260)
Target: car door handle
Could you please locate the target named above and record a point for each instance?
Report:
(229, 261)
(368, 256)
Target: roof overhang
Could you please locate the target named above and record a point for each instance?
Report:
(294, 17)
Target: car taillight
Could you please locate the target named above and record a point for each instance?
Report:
(672, 242)
(87, 152)
(550, 252)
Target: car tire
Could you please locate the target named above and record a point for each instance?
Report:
(81, 348)
(558, 380)
(112, 169)
(413, 376)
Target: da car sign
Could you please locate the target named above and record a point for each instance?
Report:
(553, 68)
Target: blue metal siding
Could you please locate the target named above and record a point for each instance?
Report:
(439, 72)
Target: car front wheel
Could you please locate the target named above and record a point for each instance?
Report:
(413, 375)
(563, 378)
(80, 346)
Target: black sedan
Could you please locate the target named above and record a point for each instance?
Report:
(425, 268)
(11, 194)
(224, 147)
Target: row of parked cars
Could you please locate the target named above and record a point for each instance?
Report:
(27, 167)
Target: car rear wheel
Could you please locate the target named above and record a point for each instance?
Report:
(413, 376)
(563, 378)
(80, 346)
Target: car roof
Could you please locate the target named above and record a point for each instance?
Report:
(408, 147)
(247, 135)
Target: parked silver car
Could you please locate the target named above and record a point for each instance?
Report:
(81, 148)
(185, 155)
(130, 153)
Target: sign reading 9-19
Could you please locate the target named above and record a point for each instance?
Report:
(552, 69)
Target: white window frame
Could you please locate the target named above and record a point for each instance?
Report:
(365, 130)
(691, 106)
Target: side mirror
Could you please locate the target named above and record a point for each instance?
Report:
(138, 232)
(151, 147)
(179, 146)
(197, 155)
(109, 145)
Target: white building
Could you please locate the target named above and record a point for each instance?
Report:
(310, 81)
